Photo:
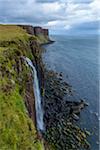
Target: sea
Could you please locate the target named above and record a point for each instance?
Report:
(77, 58)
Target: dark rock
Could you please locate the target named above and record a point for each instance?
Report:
(77, 107)
(29, 99)
(60, 74)
(59, 115)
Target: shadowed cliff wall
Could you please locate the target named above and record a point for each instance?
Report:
(37, 31)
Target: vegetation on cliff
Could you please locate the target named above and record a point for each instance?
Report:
(17, 121)
(17, 131)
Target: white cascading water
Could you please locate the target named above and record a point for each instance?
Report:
(38, 106)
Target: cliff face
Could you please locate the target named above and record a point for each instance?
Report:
(17, 109)
(46, 32)
(41, 31)
(28, 28)
(37, 31)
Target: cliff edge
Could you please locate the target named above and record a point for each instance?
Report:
(17, 112)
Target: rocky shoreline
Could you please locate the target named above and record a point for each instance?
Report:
(60, 115)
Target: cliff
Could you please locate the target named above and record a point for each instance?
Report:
(17, 113)
(41, 33)
(17, 103)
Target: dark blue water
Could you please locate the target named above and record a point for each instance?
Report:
(77, 57)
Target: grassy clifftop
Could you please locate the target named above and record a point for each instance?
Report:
(17, 131)
(9, 32)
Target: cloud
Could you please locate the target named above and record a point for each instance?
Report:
(54, 14)
(46, 1)
(77, 13)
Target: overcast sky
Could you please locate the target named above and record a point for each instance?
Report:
(58, 15)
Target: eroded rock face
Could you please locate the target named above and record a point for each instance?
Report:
(41, 31)
(30, 99)
(36, 51)
(46, 32)
(28, 28)
(36, 30)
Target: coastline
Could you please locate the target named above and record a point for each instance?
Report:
(59, 115)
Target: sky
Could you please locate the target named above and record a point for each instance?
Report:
(60, 16)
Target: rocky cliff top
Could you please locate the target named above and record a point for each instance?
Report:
(35, 30)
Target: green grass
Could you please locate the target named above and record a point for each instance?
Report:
(9, 32)
(17, 131)
(41, 39)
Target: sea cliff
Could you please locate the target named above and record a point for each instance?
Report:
(17, 109)
(17, 102)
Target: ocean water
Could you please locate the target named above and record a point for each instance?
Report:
(77, 57)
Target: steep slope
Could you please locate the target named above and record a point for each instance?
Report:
(17, 131)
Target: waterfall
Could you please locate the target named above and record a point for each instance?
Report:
(38, 106)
